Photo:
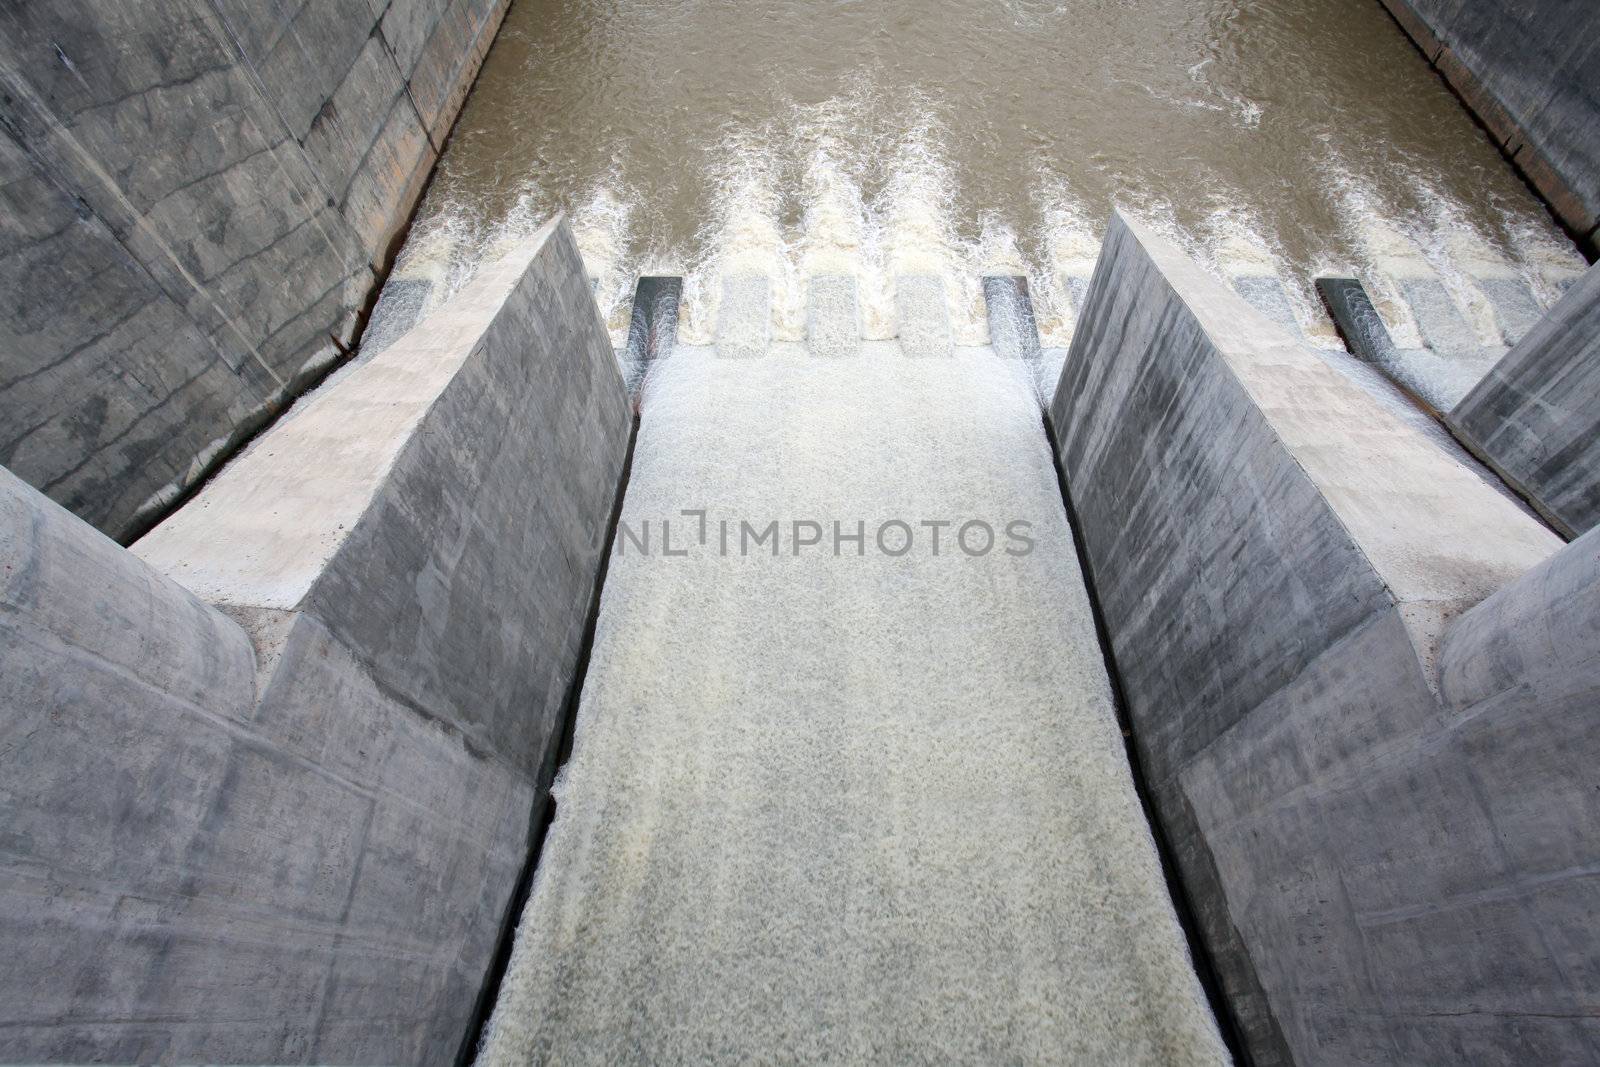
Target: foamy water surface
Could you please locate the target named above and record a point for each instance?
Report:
(876, 138)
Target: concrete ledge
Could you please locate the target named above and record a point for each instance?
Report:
(1279, 559)
(1535, 418)
(284, 820)
(1437, 376)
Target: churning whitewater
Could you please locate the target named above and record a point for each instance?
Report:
(964, 139)
(846, 802)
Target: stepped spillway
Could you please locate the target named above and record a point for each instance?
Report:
(840, 801)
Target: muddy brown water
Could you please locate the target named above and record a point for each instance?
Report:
(877, 136)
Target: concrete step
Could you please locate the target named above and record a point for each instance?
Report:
(652, 329)
(744, 321)
(833, 316)
(1013, 331)
(924, 317)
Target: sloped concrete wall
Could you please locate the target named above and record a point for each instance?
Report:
(1279, 561)
(197, 197)
(1531, 73)
(1535, 418)
(270, 777)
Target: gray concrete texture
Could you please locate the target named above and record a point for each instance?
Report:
(272, 774)
(858, 808)
(1531, 73)
(1279, 559)
(1535, 418)
(198, 195)
(1452, 360)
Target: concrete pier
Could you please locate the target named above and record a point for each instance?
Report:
(1310, 607)
(270, 779)
(847, 793)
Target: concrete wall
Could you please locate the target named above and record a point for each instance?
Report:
(1531, 73)
(197, 197)
(271, 775)
(1280, 561)
(1535, 418)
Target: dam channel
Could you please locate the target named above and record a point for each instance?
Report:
(1056, 531)
(829, 804)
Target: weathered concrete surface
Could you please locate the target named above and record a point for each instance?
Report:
(445, 441)
(198, 195)
(1452, 360)
(1277, 558)
(1531, 73)
(1265, 293)
(286, 825)
(1014, 332)
(1535, 418)
(859, 808)
(1529, 649)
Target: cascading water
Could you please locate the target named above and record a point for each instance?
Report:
(960, 139)
(846, 784)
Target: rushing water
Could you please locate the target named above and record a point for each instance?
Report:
(874, 137)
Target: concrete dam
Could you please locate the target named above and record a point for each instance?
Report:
(556, 532)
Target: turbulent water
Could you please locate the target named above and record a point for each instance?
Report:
(877, 137)
(851, 793)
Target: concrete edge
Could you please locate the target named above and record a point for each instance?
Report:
(1380, 459)
(1506, 133)
(228, 550)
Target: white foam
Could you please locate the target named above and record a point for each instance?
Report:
(602, 226)
(856, 187)
(1385, 253)
(847, 808)
(1545, 257)
(1461, 254)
